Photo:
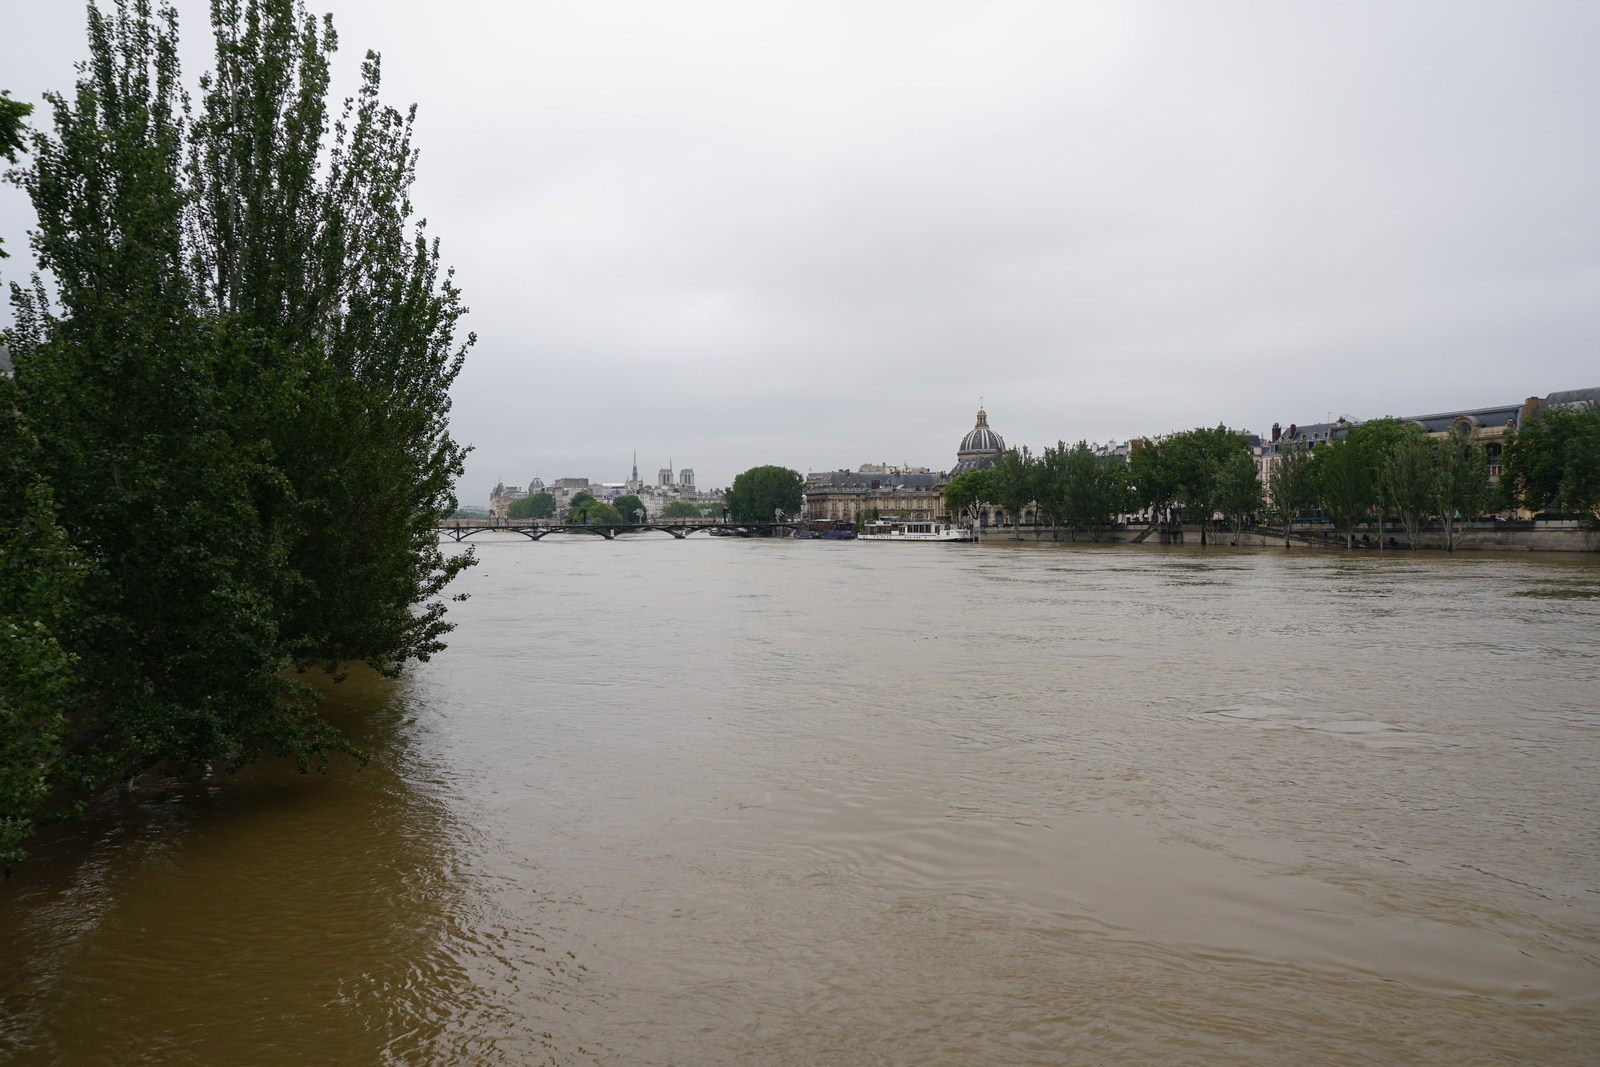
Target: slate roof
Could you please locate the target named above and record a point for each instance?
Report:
(1495, 416)
(854, 481)
(1570, 396)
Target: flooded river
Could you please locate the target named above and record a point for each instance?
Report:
(721, 801)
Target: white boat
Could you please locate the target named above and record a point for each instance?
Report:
(914, 530)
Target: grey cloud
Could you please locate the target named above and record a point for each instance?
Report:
(813, 234)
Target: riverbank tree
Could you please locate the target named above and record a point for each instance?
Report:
(1152, 478)
(1188, 473)
(1012, 483)
(1553, 460)
(759, 493)
(593, 512)
(630, 507)
(1409, 472)
(1461, 490)
(1290, 488)
(1092, 489)
(966, 493)
(13, 138)
(1240, 497)
(1346, 488)
(40, 572)
(239, 388)
(681, 509)
(533, 506)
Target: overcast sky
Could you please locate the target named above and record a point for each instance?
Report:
(814, 234)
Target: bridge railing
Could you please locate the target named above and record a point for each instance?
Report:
(524, 524)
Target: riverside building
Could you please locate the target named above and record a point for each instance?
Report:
(904, 492)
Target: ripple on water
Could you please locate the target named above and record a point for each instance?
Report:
(1373, 733)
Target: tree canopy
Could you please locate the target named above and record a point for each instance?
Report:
(758, 493)
(1199, 473)
(533, 506)
(12, 140)
(584, 508)
(239, 390)
(1290, 488)
(1011, 481)
(630, 507)
(680, 509)
(968, 491)
(1553, 460)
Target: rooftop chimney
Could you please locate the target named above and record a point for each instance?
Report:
(1276, 433)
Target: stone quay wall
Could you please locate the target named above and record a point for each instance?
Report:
(1561, 536)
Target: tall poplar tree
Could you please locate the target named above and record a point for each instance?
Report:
(1290, 486)
(239, 390)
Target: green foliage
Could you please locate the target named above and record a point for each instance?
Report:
(967, 492)
(1239, 494)
(586, 509)
(1379, 439)
(761, 491)
(1552, 461)
(631, 508)
(240, 394)
(1187, 471)
(680, 509)
(596, 513)
(1011, 481)
(39, 575)
(310, 241)
(39, 572)
(1580, 479)
(580, 498)
(1152, 474)
(1051, 477)
(1346, 483)
(1410, 472)
(1199, 458)
(1461, 484)
(864, 517)
(1290, 485)
(12, 114)
(1084, 490)
(536, 506)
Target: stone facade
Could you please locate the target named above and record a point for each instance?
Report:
(841, 496)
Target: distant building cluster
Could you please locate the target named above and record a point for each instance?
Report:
(918, 493)
(668, 488)
(901, 492)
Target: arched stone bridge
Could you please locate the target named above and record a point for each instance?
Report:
(534, 529)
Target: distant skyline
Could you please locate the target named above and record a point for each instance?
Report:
(815, 233)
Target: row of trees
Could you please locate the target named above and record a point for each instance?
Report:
(1380, 468)
(225, 447)
(1071, 486)
(1198, 474)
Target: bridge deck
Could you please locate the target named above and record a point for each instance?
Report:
(535, 529)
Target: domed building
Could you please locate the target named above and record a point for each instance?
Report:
(979, 449)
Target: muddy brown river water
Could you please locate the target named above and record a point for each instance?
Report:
(721, 801)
